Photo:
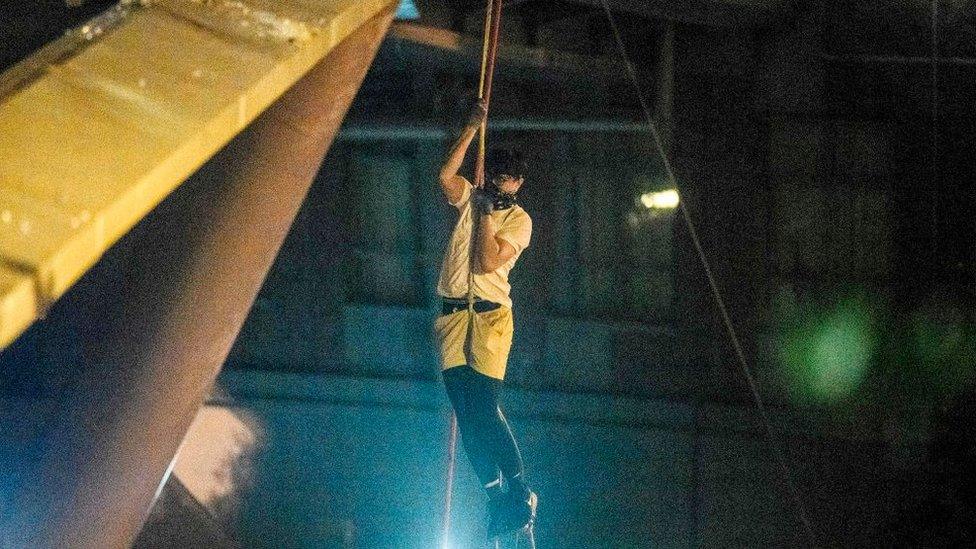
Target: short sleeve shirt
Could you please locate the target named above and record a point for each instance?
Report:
(513, 226)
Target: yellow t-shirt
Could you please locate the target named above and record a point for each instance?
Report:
(513, 225)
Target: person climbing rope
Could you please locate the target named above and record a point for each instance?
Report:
(474, 330)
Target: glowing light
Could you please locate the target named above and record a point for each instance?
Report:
(827, 353)
(663, 200)
(217, 437)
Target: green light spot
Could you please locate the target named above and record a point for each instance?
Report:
(826, 353)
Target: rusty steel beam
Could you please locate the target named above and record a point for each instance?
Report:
(716, 13)
(513, 55)
(155, 320)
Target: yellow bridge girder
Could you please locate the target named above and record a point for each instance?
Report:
(92, 139)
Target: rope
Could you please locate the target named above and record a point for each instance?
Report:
(482, 131)
(449, 492)
(716, 293)
(489, 50)
(935, 126)
(492, 24)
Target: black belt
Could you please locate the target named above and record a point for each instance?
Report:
(451, 306)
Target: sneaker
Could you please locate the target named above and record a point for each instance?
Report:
(515, 513)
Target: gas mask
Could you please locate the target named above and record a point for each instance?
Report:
(499, 200)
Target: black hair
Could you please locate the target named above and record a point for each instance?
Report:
(504, 162)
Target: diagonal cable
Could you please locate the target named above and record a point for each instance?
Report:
(716, 293)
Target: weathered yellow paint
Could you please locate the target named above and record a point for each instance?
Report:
(93, 143)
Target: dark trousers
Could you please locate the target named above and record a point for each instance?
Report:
(487, 439)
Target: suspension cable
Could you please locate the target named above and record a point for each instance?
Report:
(934, 149)
(716, 293)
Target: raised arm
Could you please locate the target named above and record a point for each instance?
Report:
(493, 252)
(452, 183)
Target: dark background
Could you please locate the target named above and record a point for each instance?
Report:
(824, 155)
